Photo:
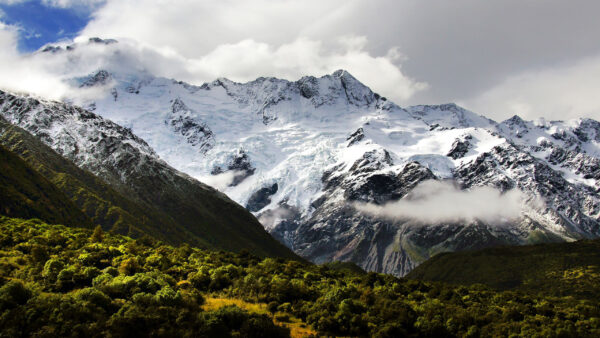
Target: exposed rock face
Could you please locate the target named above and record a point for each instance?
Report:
(239, 164)
(101, 78)
(573, 149)
(264, 95)
(460, 147)
(572, 208)
(195, 133)
(335, 231)
(363, 184)
(580, 163)
(261, 198)
(356, 137)
(100, 146)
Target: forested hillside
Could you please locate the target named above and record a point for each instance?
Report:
(25, 193)
(63, 281)
(558, 269)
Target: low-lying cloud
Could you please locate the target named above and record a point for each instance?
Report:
(222, 180)
(42, 74)
(270, 218)
(436, 202)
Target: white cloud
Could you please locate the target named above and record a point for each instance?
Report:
(12, 2)
(270, 218)
(243, 40)
(200, 40)
(249, 59)
(23, 74)
(562, 92)
(194, 28)
(221, 181)
(436, 202)
(42, 74)
(242, 61)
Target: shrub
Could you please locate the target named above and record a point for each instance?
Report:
(129, 266)
(12, 294)
(97, 235)
(52, 268)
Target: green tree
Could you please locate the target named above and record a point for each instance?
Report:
(98, 235)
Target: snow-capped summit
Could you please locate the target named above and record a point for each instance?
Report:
(449, 115)
(300, 154)
(308, 93)
(54, 48)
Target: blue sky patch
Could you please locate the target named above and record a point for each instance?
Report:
(40, 24)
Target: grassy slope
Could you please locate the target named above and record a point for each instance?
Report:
(175, 212)
(27, 194)
(556, 269)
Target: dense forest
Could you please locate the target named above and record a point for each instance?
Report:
(61, 281)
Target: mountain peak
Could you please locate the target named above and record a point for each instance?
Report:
(515, 121)
(347, 78)
(356, 92)
(342, 72)
(50, 48)
(101, 41)
(449, 115)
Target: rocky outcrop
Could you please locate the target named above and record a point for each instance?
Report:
(261, 198)
(460, 147)
(196, 133)
(356, 137)
(101, 78)
(239, 164)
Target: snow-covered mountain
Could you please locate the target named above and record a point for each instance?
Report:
(300, 154)
(125, 187)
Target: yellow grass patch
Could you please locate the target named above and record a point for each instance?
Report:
(297, 327)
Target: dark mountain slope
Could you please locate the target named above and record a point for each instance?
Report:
(557, 269)
(27, 194)
(100, 202)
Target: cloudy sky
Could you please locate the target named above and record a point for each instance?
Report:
(496, 57)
